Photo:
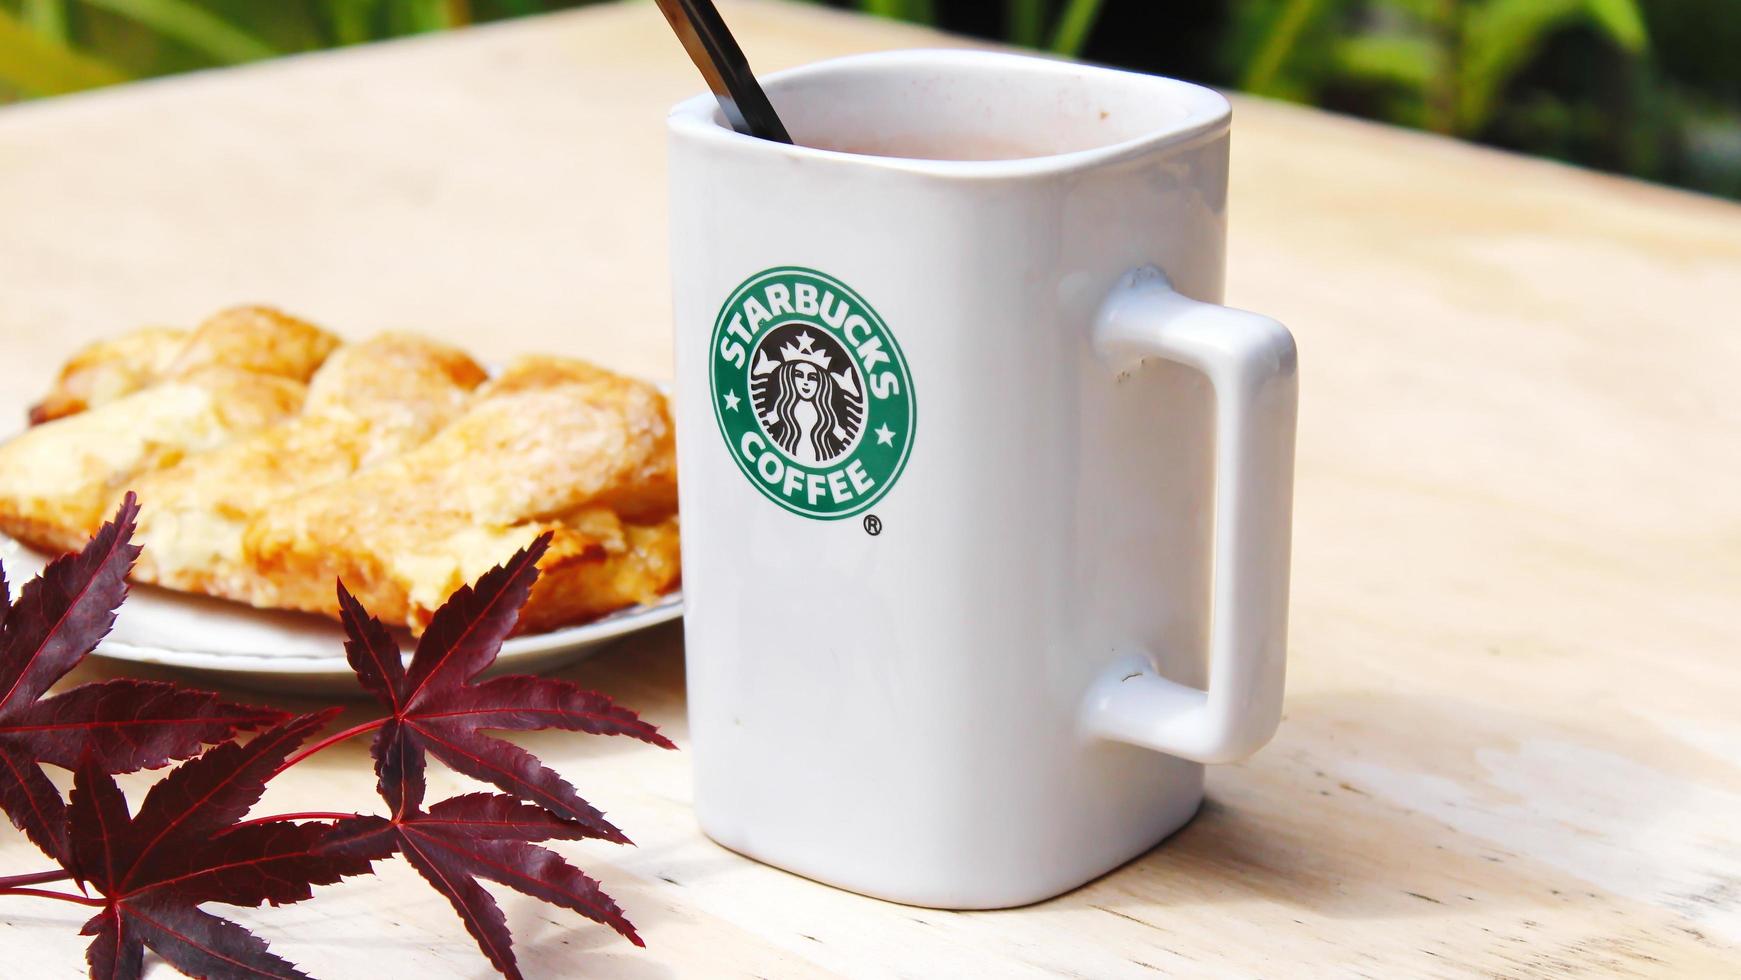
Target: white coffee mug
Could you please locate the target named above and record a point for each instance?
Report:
(985, 502)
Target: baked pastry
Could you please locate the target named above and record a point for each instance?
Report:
(367, 403)
(110, 369)
(552, 445)
(398, 468)
(58, 480)
(256, 338)
(249, 338)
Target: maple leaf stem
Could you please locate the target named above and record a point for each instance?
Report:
(330, 740)
(35, 878)
(62, 896)
(282, 817)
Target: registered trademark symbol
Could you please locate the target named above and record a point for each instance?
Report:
(873, 525)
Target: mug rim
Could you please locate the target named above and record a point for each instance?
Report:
(1208, 112)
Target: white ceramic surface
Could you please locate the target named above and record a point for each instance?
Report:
(1073, 599)
(289, 652)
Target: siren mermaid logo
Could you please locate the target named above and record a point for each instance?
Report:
(811, 392)
(808, 410)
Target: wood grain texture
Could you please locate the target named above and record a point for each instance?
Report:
(1512, 722)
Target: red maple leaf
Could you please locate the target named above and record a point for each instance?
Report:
(184, 847)
(117, 725)
(188, 845)
(483, 835)
(436, 708)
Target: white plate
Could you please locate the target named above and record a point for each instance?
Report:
(296, 652)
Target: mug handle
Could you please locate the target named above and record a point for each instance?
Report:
(1250, 362)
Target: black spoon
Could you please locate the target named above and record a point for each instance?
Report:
(722, 63)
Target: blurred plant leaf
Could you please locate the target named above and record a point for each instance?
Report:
(1425, 11)
(922, 11)
(423, 16)
(1282, 35)
(1622, 21)
(43, 66)
(46, 17)
(1409, 62)
(1025, 21)
(351, 20)
(1074, 26)
(193, 26)
(1453, 58)
(1500, 36)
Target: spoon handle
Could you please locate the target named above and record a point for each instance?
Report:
(714, 51)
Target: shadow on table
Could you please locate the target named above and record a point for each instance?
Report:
(1382, 804)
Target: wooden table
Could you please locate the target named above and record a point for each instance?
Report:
(1514, 709)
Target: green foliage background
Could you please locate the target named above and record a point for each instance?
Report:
(1650, 88)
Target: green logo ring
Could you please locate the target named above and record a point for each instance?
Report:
(811, 392)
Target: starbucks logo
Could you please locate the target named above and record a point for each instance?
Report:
(811, 392)
(807, 407)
